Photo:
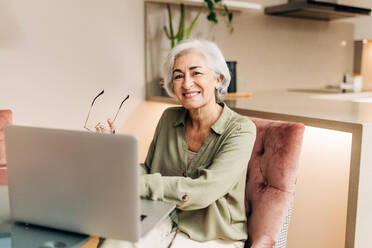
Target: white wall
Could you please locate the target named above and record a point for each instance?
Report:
(55, 56)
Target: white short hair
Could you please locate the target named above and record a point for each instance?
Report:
(214, 58)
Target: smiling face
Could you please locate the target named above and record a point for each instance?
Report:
(194, 83)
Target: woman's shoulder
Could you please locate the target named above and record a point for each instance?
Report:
(173, 114)
(243, 123)
(174, 111)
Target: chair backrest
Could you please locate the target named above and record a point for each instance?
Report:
(5, 119)
(271, 177)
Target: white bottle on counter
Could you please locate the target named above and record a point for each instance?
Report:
(352, 82)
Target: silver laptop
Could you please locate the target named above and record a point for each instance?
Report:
(79, 181)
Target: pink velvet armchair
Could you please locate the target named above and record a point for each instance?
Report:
(5, 119)
(271, 178)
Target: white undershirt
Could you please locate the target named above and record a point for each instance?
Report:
(190, 156)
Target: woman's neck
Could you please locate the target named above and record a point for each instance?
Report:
(204, 117)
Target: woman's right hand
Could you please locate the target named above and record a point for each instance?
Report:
(100, 128)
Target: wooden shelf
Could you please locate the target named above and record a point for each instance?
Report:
(232, 5)
(238, 95)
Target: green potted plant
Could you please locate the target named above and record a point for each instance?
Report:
(182, 34)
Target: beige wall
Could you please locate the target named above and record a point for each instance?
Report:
(55, 56)
(363, 24)
(363, 31)
(363, 28)
(142, 124)
(272, 52)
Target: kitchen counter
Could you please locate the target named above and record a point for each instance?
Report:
(302, 106)
(322, 107)
(335, 112)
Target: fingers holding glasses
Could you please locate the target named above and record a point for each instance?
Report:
(99, 128)
(111, 125)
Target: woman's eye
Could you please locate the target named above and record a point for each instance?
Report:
(197, 73)
(177, 76)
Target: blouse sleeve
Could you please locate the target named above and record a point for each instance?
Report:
(214, 182)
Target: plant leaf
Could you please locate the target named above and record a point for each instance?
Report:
(189, 30)
(166, 32)
(230, 15)
(212, 17)
(170, 25)
(231, 30)
(181, 27)
(210, 4)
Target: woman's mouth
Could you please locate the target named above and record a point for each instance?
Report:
(191, 94)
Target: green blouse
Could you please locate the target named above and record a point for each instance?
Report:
(210, 192)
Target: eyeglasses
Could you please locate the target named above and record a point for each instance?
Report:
(100, 127)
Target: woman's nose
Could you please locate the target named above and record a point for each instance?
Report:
(188, 82)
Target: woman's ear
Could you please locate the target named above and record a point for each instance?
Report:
(219, 81)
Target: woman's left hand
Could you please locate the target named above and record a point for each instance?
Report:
(100, 128)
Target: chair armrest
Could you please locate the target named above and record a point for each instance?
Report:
(268, 215)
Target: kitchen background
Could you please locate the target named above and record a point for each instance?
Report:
(55, 56)
(54, 61)
(271, 52)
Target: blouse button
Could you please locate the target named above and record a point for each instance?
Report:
(185, 198)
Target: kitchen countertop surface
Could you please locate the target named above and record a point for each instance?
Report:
(338, 108)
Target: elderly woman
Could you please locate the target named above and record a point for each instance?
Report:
(200, 151)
